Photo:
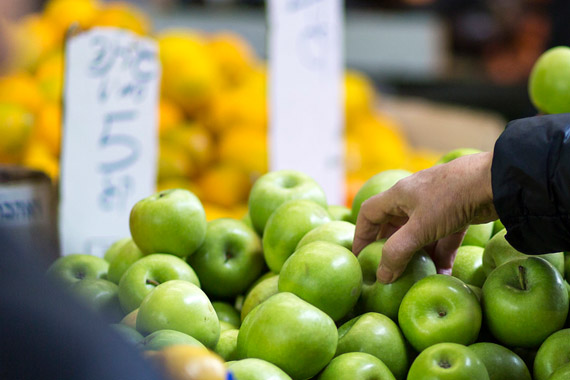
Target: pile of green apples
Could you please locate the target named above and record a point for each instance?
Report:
(279, 295)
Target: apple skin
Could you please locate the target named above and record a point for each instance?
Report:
(338, 232)
(145, 274)
(227, 345)
(227, 313)
(375, 185)
(324, 274)
(356, 366)
(126, 255)
(553, 353)
(229, 260)
(184, 362)
(99, 295)
(437, 309)
(478, 234)
(273, 189)
(130, 319)
(290, 333)
(500, 362)
(468, 265)
(448, 361)
(163, 338)
(259, 294)
(549, 81)
(562, 373)
(256, 369)
(386, 298)
(339, 213)
(498, 251)
(477, 291)
(524, 301)
(287, 226)
(498, 226)
(377, 335)
(181, 306)
(114, 249)
(128, 333)
(171, 221)
(69, 269)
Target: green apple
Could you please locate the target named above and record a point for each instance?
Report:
(227, 313)
(164, 338)
(566, 265)
(147, 273)
(273, 189)
(126, 255)
(224, 326)
(562, 373)
(553, 353)
(227, 345)
(375, 185)
(128, 333)
(340, 213)
(325, 275)
(498, 251)
(386, 298)
(246, 219)
(131, 319)
(438, 309)
(448, 361)
(230, 258)
(261, 278)
(99, 295)
(356, 366)
(287, 226)
(549, 81)
(171, 221)
(478, 234)
(256, 369)
(114, 249)
(468, 265)
(456, 153)
(290, 333)
(477, 291)
(259, 294)
(497, 226)
(501, 363)
(377, 335)
(181, 306)
(338, 232)
(524, 300)
(69, 269)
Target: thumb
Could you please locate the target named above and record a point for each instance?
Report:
(398, 251)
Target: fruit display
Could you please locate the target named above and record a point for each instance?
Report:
(279, 295)
(213, 107)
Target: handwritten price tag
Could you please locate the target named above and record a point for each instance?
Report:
(109, 145)
(306, 101)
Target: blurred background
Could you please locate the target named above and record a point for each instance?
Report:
(423, 77)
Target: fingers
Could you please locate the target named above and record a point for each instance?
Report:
(398, 251)
(445, 251)
(371, 216)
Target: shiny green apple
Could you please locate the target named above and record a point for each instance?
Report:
(260, 293)
(456, 153)
(340, 213)
(171, 221)
(164, 338)
(338, 232)
(114, 249)
(227, 313)
(99, 295)
(356, 366)
(468, 265)
(256, 369)
(501, 363)
(562, 373)
(553, 353)
(478, 234)
(126, 255)
(549, 81)
(227, 345)
(69, 269)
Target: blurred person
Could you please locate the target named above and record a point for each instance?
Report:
(525, 182)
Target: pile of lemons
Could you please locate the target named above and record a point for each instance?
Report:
(213, 107)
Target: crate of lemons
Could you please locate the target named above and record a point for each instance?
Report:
(213, 111)
(279, 295)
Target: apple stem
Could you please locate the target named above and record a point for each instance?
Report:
(152, 282)
(522, 277)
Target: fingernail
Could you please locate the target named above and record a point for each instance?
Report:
(384, 274)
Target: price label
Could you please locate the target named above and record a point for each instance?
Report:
(110, 143)
(305, 89)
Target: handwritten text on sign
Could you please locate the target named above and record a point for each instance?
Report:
(109, 146)
(306, 101)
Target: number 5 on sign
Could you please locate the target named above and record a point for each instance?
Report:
(109, 147)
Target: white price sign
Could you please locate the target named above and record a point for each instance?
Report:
(305, 89)
(110, 143)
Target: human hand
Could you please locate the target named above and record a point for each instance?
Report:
(430, 209)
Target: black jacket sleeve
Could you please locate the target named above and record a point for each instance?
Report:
(531, 183)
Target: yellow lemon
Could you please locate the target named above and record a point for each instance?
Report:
(125, 16)
(246, 148)
(16, 125)
(193, 139)
(173, 162)
(358, 95)
(420, 159)
(39, 157)
(48, 127)
(224, 185)
(64, 13)
(214, 211)
(21, 89)
(178, 183)
(170, 115)
(189, 74)
(49, 76)
(233, 55)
